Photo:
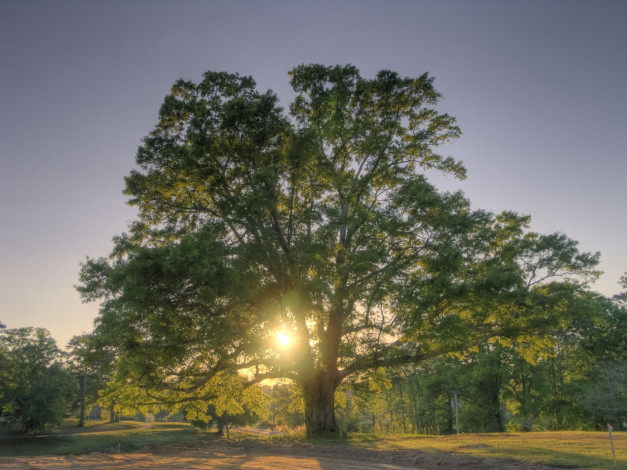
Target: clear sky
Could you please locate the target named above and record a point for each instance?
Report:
(538, 88)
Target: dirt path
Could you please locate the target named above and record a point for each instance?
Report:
(250, 454)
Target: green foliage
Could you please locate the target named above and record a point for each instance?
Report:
(92, 369)
(35, 386)
(606, 397)
(286, 405)
(321, 223)
(571, 377)
(482, 391)
(232, 399)
(224, 395)
(601, 360)
(426, 393)
(622, 297)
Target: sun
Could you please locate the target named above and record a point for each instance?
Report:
(283, 339)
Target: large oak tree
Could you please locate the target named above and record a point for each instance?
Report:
(319, 223)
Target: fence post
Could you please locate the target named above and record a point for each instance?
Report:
(610, 429)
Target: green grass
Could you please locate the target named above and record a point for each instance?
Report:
(570, 449)
(561, 449)
(98, 436)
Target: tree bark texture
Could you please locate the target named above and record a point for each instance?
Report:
(319, 397)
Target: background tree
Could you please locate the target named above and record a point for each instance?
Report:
(621, 298)
(602, 359)
(322, 225)
(77, 348)
(571, 377)
(93, 365)
(3, 359)
(284, 406)
(35, 386)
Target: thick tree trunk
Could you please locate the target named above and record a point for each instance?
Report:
(113, 416)
(319, 395)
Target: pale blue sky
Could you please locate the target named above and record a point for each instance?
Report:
(538, 88)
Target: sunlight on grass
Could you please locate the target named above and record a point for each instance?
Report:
(567, 448)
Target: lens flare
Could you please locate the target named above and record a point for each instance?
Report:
(283, 339)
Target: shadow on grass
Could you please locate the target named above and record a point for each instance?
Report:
(112, 441)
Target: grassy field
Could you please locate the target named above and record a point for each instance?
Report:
(561, 449)
(98, 436)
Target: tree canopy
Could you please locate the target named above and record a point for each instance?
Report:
(34, 384)
(320, 224)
